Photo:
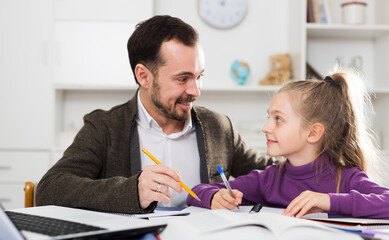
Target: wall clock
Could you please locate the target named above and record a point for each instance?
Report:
(222, 14)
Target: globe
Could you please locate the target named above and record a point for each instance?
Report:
(240, 71)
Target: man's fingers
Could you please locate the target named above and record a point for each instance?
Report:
(157, 177)
(165, 170)
(167, 181)
(165, 190)
(160, 197)
(162, 174)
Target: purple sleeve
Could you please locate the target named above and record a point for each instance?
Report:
(364, 199)
(247, 184)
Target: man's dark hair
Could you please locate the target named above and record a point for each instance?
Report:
(144, 44)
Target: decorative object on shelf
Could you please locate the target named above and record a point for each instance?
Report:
(240, 71)
(353, 12)
(222, 14)
(312, 73)
(280, 70)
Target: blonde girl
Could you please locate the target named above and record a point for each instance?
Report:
(320, 127)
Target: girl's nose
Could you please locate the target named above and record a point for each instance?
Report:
(265, 128)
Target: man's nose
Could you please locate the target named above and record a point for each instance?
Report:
(194, 88)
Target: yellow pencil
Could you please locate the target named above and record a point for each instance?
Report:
(181, 183)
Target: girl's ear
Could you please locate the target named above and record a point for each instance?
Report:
(317, 131)
(143, 75)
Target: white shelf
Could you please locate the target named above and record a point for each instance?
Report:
(315, 30)
(92, 87)
(263, 89)
(130, 87)
(82, 87)
(380, 90)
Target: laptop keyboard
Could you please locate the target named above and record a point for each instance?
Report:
(48, 226)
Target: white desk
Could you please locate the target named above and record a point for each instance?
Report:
(222, 224)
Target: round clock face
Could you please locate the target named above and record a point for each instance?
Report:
(222, 13)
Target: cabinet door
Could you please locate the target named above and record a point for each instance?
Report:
(12, 195)
(15, 169)
(25, 90)
(23, 166)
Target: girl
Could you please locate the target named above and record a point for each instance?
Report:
(319, 126)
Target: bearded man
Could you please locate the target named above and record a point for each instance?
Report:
(104, 170)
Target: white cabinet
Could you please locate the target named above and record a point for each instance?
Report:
(17, 167)
(26, 97)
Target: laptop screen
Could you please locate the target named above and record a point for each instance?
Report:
(7, 228)
(21, 224)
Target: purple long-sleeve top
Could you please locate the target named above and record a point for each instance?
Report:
(277, 186)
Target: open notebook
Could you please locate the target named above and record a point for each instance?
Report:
(268, 223)
(53, 222)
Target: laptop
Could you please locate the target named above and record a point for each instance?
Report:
(54, 222)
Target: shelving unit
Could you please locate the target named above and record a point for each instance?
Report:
(367, 45)
(322, 45)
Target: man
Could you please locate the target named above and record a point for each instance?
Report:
(104, 168)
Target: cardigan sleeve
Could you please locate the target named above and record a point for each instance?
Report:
(79, 179)
(365, 198)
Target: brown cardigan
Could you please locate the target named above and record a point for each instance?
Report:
(100, 169)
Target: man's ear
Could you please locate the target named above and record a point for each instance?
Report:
(143, 75)
(316, 132)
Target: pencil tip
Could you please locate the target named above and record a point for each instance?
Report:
(197, 198)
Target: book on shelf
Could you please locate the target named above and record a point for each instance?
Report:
(319, 11)
(310, 15)
(223, 224)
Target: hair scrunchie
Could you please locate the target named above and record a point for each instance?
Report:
(331, 81)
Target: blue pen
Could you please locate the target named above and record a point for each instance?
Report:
(226, 182)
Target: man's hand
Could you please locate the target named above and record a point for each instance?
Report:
(308, 202)
(223, 199)
(154, 183)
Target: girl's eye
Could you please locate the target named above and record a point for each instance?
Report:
(278, 119)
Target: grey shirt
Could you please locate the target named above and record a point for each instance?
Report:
(100, 169)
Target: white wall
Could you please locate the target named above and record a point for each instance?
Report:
(262, 33)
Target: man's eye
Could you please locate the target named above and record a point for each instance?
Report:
(182, 79)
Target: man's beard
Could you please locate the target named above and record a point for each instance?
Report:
(170, 111)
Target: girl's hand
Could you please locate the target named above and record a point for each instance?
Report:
(223, 199)
(308, 202)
